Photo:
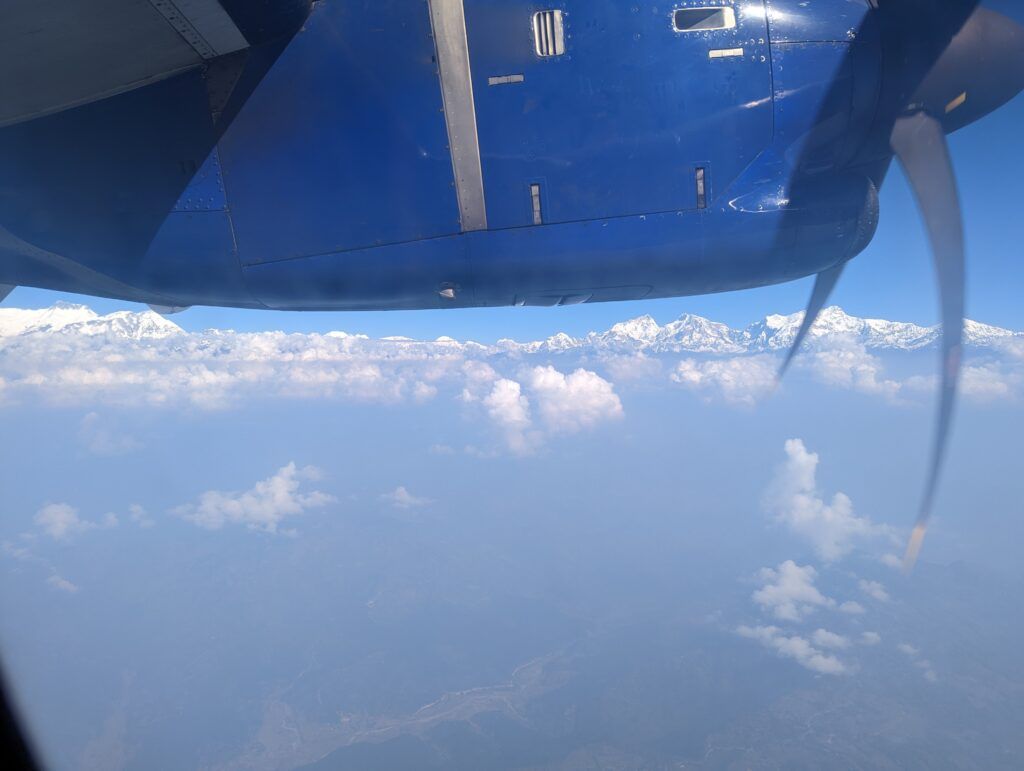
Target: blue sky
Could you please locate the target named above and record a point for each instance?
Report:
(891, 279)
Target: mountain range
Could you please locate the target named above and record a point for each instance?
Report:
(695, 334)
(688, 333)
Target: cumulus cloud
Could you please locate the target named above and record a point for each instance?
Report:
(874, 589)
(509, 408)
(892, 561)
(795, 647)
(60, 521)
(823, 638)
(478, 376)
(847, 364)
(793, 499)
(561, 403)
(789, 592)
(61, 584)
(852, 607)
(991, 381)
(401, 498)
(263, 507)
(570, 403)
(737, 380)
(870, 638)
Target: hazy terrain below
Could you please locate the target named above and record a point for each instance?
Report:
(623, 550)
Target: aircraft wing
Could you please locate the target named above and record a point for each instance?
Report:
(57, 54)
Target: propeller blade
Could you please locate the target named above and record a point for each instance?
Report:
(919, 142)
(824, 283)
(5, 289)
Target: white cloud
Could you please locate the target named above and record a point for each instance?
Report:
(73, 356)
(401, 498)
(870, 638)
(793, 499)
(826, 639)
(789, 592)
(990, 381)
(263, 507)
(892, 561)
(795, 647)
(563, 403)
(219, 369)
(907, 648)
(138, 515)
(738, 380)
(60, 521)
(852, 607)
(423, 392)
(570, 403)
(983, 382)
(637, 366)
(61, 584)
(478, 378)
(874, 590)
(13, 551)
(847, 364)
(510, 410)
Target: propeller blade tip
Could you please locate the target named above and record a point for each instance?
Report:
(914, 546)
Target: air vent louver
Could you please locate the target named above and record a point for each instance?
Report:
(548, 33)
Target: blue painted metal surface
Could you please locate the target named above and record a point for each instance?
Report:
(205, 191)
(327, 181)
(343, 145)
(94, 184)
(816, 21)
(618, 124)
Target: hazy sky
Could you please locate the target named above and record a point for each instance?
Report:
(268, 551)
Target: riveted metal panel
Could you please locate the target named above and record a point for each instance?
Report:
(205, 192)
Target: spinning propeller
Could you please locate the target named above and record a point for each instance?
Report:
(956, 64)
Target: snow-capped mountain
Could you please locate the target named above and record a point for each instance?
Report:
(18, 321)
(69, 318)
(687, 334)
(694, 334)
(778, 332)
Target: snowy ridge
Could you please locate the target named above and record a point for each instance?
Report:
(687, 334)
(694, 334)
(69, 318)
